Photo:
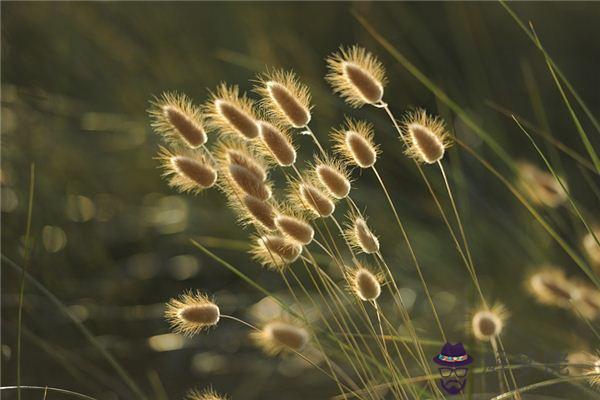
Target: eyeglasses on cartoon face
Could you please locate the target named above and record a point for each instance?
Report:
(459, 372)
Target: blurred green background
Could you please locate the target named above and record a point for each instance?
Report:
(111, 240)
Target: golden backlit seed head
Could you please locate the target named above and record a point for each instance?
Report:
(275, 251)
(354, 143)
(357, 76)
(285, 99)
(365, 284)
(177, 120)
(488, 324)
(334, 177)
(260, 211)
(278, 144)
(550, 286)
(279, 336)
(362, 237)
(230, 112)
(426, 136)
(592, 248)
(587, 302)
(207, 394)
(191, 313)
(187, 171)
(540, 186)
(246, 181)
(316, 200)
(295, 228)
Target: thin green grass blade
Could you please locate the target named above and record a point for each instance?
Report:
(82, 328)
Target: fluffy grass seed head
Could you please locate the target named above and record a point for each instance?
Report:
(275, 251)
(308, 197)
(192, 313)
(356, 75)
(178, 120)
(365, 284)
(280, 336)
(592, 248)
(206, 394)
(541, 186)
(488, 324)
(360, 236)
(550, 286)
(426, 136)
(334, 176)
(187, 171)
(294, 227)
(277, 143)
(580, 362)
(354, 143)
(587, 302)
(242, 170)
(228, 111)
(254, 211)
(285, 99)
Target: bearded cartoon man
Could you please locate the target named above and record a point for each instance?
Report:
(453, 361)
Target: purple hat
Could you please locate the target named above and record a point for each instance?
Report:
(453, 355)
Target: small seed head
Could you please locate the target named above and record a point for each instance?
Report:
(365, 284)
(177, 120)
(261, 211)
(363, 238)
(191, 313)
(279, 336)
(354, 142)
(488, 324)
(357, 76)
(275, 251)
(334, 179)
(550, 286)
(230, 112)
(187, 171)
(207, 394)
(278, 143)
(316, 200)
(295, 229)
(426, 137)
(540, 186)
(246, 181)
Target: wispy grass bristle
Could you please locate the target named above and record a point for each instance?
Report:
(275, 251)
(178, 120)
(354, 143)
(192, 313)
(260, 211)
(309, 198)
(229, 112)
(187, 171)
(357, 76)
(426, 136)
(247, 182)
(278, 144)
(279, 336)
(285, 99)
(206, 394)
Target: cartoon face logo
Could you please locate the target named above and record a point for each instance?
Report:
(453, 361)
